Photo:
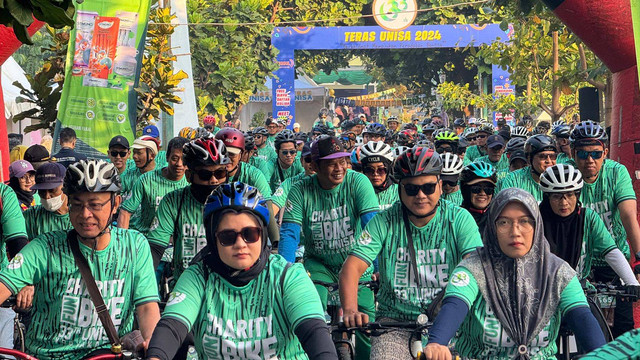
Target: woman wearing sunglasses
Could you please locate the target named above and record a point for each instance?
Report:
(477, 184)
(376, 159)
(510, 297)
(240, 301)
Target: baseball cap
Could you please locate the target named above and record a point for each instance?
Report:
(233, 150)
(49, 176)
(296, 125)
(19, 168)
(327, 148)
(151, 130)
(306, 150)
(36, 153)
(119, 140)
(495, 141)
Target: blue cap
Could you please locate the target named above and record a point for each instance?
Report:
(151, 130)
(49, 176)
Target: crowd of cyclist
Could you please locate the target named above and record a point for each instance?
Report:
(494, 232)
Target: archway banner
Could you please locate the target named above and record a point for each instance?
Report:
(102, 69)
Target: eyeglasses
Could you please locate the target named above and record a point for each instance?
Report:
(272, 126)
(477, 189)
(249, 234)
(115, 153)
(377, 171)
(412, 189)
(93, 207)
(584, 154)
(557, 197)
(442, 150)
(481, 136)
(525, 225)
(471, 138)
(449, 183)
(206, 175)
(547, 156)
(257, 137)
(288, 152)
(28, 177)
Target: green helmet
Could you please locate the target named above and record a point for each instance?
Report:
(447, 135)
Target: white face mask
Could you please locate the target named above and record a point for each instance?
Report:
(53, 204)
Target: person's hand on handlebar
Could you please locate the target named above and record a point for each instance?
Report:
(24, 298)
(353, 318)
(435, 351)
(633, 290)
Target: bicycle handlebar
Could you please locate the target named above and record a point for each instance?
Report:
(373, 285)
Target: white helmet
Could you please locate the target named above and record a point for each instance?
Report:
(519, 131)
(399, 150)
(452, 164)
(91, 175)
(469, 131)
(472, 121)
(557, 123)
(560, 178)
(359, 140)
(377, 149)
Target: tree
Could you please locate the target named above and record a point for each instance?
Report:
(19, 14)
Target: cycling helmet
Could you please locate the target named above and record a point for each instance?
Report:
(438, 123)
(556, 124)
(347, 125)
(587, 133)
(249, 142)
(410, 127)
(539, 143)
(468, 132)
(462, 144)
(459, 123)
(375, 129)
(478, 170)
(560, 178)
(227, 124)
(204, 152)
(391, 119)
(202, 133)
(209, 120)
(473, 121)
(446, 136)
(376, 151)
(417, 161)
(91, 176)
(429, 127)
(451, 164)
(405, 138)
(425, 143)
(302, 137)
(261, 130)
(486, 128)
(231, 137)
(562, 131)
(284, 136)
(515, 143)
(237, 196)
(519, 131)
(356, 155)
(359, 140)
(399, 150)
(187, 133)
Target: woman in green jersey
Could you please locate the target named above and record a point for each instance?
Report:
(477, 184)
(240, 301)
(509, 298)
(376, 159)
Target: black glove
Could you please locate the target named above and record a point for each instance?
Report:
(633, 290)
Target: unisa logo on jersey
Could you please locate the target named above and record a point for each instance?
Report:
(395, 15)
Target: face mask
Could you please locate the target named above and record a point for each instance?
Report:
(53, 204)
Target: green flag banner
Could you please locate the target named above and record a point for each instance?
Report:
(102, 69)
(635, 15)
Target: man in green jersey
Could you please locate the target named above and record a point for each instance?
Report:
(273, 129)
(149, 190)
(562, 133)
(480, 148)
(496, 156)
(264, 152)
(284, 165)
(541, 152)
(53, 212)
(65, 323)
(179, 217)
(330, 209)
(452, 166)
(419, 233)
(119, 153)
(376, 159)
(608, 191)
(145, 150)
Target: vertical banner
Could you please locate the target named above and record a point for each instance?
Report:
(501, 86)
(283, 91)
(102, 69)
(635, 16)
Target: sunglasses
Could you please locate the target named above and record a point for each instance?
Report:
(548, 156)
(249, 234)
(481, 136)
(584, 154)
(557, 197)
(412, 189)
(206, 175)
(115, 153)
(371, 171)
(442, 150)
(477, 189)
(449, 183)
(288, 152)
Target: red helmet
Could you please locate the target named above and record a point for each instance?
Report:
(204, 152)
(228, 124)
(209, 120)
(231, 137)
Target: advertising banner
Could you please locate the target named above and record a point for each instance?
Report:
(102, 69)
(635, 15)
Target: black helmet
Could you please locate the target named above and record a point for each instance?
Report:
(539, 143)
(488, 129)
(459, 122)
(417, 161)
(405, 138)
(249, 142)
(302, 137)
(516, 143)
(347, 125)
(284, 136)
(588, 133)
(261, 130)
(375, 129)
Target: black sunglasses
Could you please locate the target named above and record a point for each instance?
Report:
(249, 234)
(481, 136)
(584, 154)
(115, 153)
(412, 189)
(205, 175)
(477, 189)
(288, 152)
(372, 171)
(449, 183)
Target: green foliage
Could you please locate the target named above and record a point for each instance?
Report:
(31, 58)
(258, 119)
(158, 82)
(46, 85)
(19, 14)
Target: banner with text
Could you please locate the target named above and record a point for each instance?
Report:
(635, 15)
(102, 69)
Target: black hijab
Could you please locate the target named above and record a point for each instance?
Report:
(24, 197)
(564, 234)
(523, 293)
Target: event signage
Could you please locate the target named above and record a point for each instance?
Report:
(394, 15)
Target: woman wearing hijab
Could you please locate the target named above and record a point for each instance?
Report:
(477, 185)
(510, 297)
(22, 177)
(240, 301)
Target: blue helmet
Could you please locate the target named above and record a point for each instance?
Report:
(478, 170)
(237, 196)
(375, 129)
